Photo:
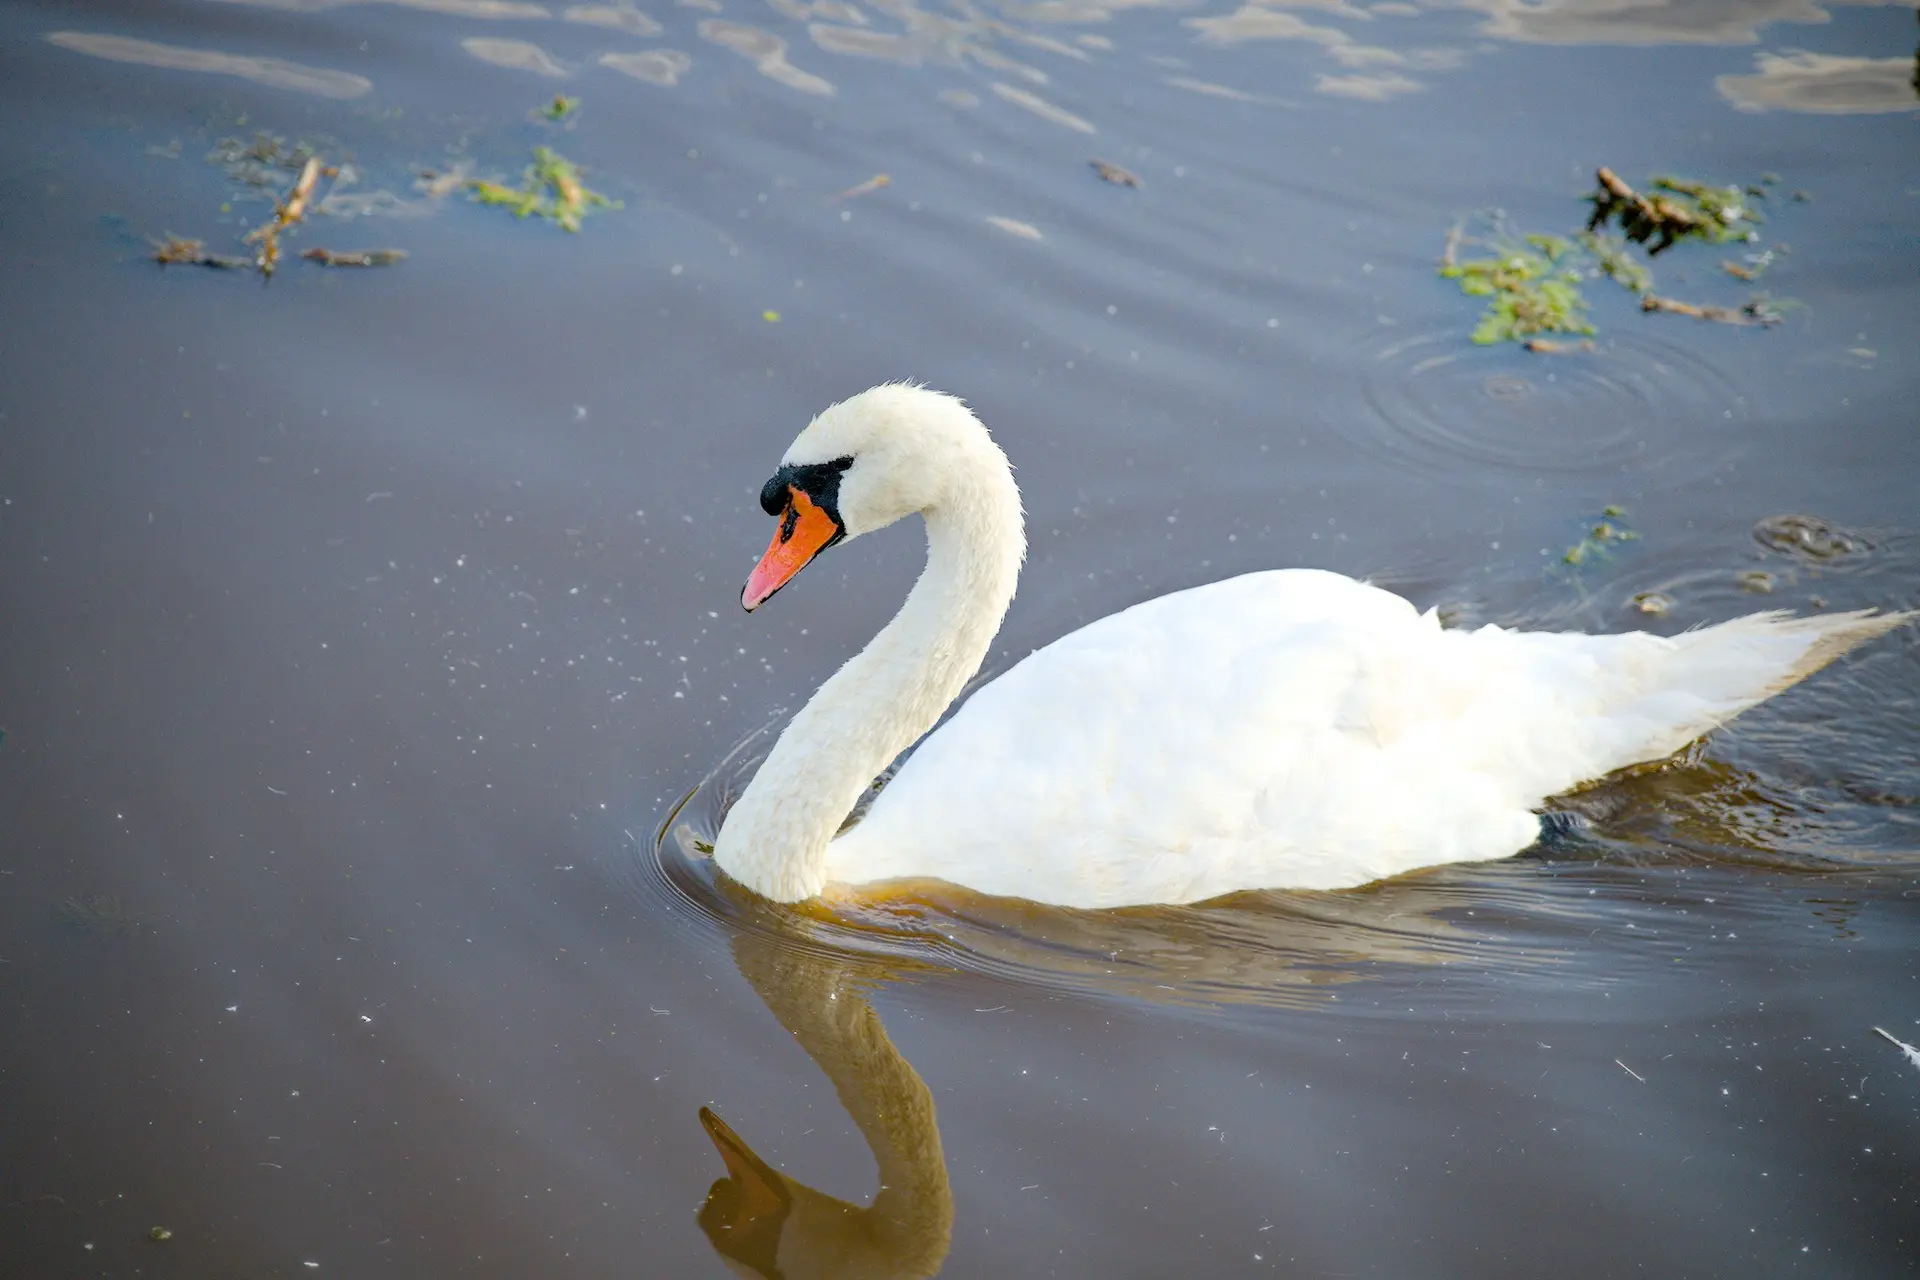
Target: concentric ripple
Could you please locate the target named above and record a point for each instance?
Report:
(1444, 408)
(1272, 949)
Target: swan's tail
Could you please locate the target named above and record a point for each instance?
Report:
(1601, 703)
(1707, 677)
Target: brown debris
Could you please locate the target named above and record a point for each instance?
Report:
(356, 258)
(1642, 218)
(1548, 347)
(286, 213)
(1115, 174)
(178, 251)
(1756, 312)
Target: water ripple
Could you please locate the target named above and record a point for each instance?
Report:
(1436, 405)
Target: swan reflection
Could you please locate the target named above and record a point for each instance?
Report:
(762, 1222)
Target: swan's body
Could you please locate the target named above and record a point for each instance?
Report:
(1290, 729)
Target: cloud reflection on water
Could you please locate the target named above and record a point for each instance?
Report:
(274, 72)
(1825, 85)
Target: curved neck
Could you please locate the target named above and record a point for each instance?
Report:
(775, 839)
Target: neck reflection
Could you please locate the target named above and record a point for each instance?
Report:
(763, 1223)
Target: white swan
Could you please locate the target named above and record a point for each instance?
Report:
(1287, 729)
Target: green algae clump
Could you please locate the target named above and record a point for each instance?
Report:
(1531, 285)
(549, 187)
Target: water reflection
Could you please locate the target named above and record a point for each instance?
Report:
(762, 1222)
(276, 73)
(1378, 52)
(767, 52)
(515, 55)
(1645, 21)
(619, 17)
(1825, 84)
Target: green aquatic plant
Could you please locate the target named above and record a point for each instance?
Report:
(1614, 260)
(1531, 282)
(560, 109)
(1601, 537)
(550, 187)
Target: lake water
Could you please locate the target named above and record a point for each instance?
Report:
(371, 668)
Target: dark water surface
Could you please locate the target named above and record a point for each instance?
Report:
(361, 634)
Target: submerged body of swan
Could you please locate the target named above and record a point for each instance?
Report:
(1287, 729)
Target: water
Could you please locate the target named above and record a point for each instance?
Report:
(372, 671)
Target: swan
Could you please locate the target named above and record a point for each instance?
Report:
(1287, 729)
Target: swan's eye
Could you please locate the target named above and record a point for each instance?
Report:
(818, 480)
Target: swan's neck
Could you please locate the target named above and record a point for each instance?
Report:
(876, 706)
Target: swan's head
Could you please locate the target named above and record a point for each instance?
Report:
(861, 465)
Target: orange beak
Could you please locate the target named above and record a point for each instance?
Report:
(805, 531)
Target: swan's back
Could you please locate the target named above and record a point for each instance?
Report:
(1296, 729)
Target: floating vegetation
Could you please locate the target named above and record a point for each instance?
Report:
(1115, 174)
(1653, 603)
(1678, 209)
(98, 913)
(1601, 537)
(1755, 581)
(560, 110)
(1534, 281)
(1531, 287)
(263, 162)
(159, 1235)
(550, 187)
(288, 212)
(357, 258)
(178, 251)
(1808, 537)
(1615, 261)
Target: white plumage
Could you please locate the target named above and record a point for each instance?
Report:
(1288, 729)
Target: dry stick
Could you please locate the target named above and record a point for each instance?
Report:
(286, 213)
(1751, 314)
(357, 258)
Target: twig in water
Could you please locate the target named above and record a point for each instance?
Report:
(1623, 1066)
(1757, 312)
(285, 214)
(358, 258)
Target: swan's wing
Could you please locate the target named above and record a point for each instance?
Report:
(1270, 729)
(1297, 729)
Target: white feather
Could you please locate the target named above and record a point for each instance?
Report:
(1913, 1054)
